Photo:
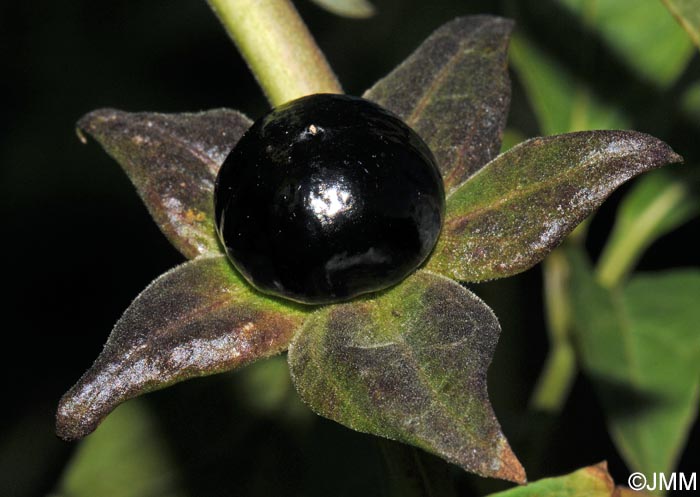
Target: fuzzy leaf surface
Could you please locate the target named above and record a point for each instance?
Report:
(454, 91)
(409, 365)
(513, 212)
(640, 347)
(199, 318)
(357, 9)
(592, 481)
(172, 160)
(687, 13)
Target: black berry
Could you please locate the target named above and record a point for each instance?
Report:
(328, 197)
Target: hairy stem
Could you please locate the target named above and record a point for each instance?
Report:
(278, 48)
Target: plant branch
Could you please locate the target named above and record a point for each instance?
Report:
(278, 48)
(560, 368)
(622, 253)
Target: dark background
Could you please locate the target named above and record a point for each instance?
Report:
(78, 245)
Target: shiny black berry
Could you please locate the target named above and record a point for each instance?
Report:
(328, 197)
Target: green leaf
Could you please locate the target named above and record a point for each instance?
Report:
(172, 159)
(359, 9)
(126, 457)
(510, 215)
(409, 365)
(561, 103)
(657, 204)
(199, 318)
(687, 13)
(641, 32)
(640, 347)
(265, 388)
(511, 138)
(592, 481)
(455, 92)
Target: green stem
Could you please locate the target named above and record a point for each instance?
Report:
(622, 252)
(560, 368)
(556, 379)
(278, 48)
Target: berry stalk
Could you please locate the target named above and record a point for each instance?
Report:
(278, 48)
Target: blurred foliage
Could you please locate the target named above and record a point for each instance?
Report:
(127, 457)
(641, 347)
(687, 13)
(347, 8)
(657, 204)
(81, 245)
(561, 102)
(642, 32)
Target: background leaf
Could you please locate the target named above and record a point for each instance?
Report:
(640, 347)
(690, 103)
(593, 481)
(125, 457)
(562, 103)
(172, 159)
(409, 365)
(511, 138)
(455, 92)
(199, 318)
(359, 9)
(641, 32)
(687, 13)
(510, 215)
(657, 204)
